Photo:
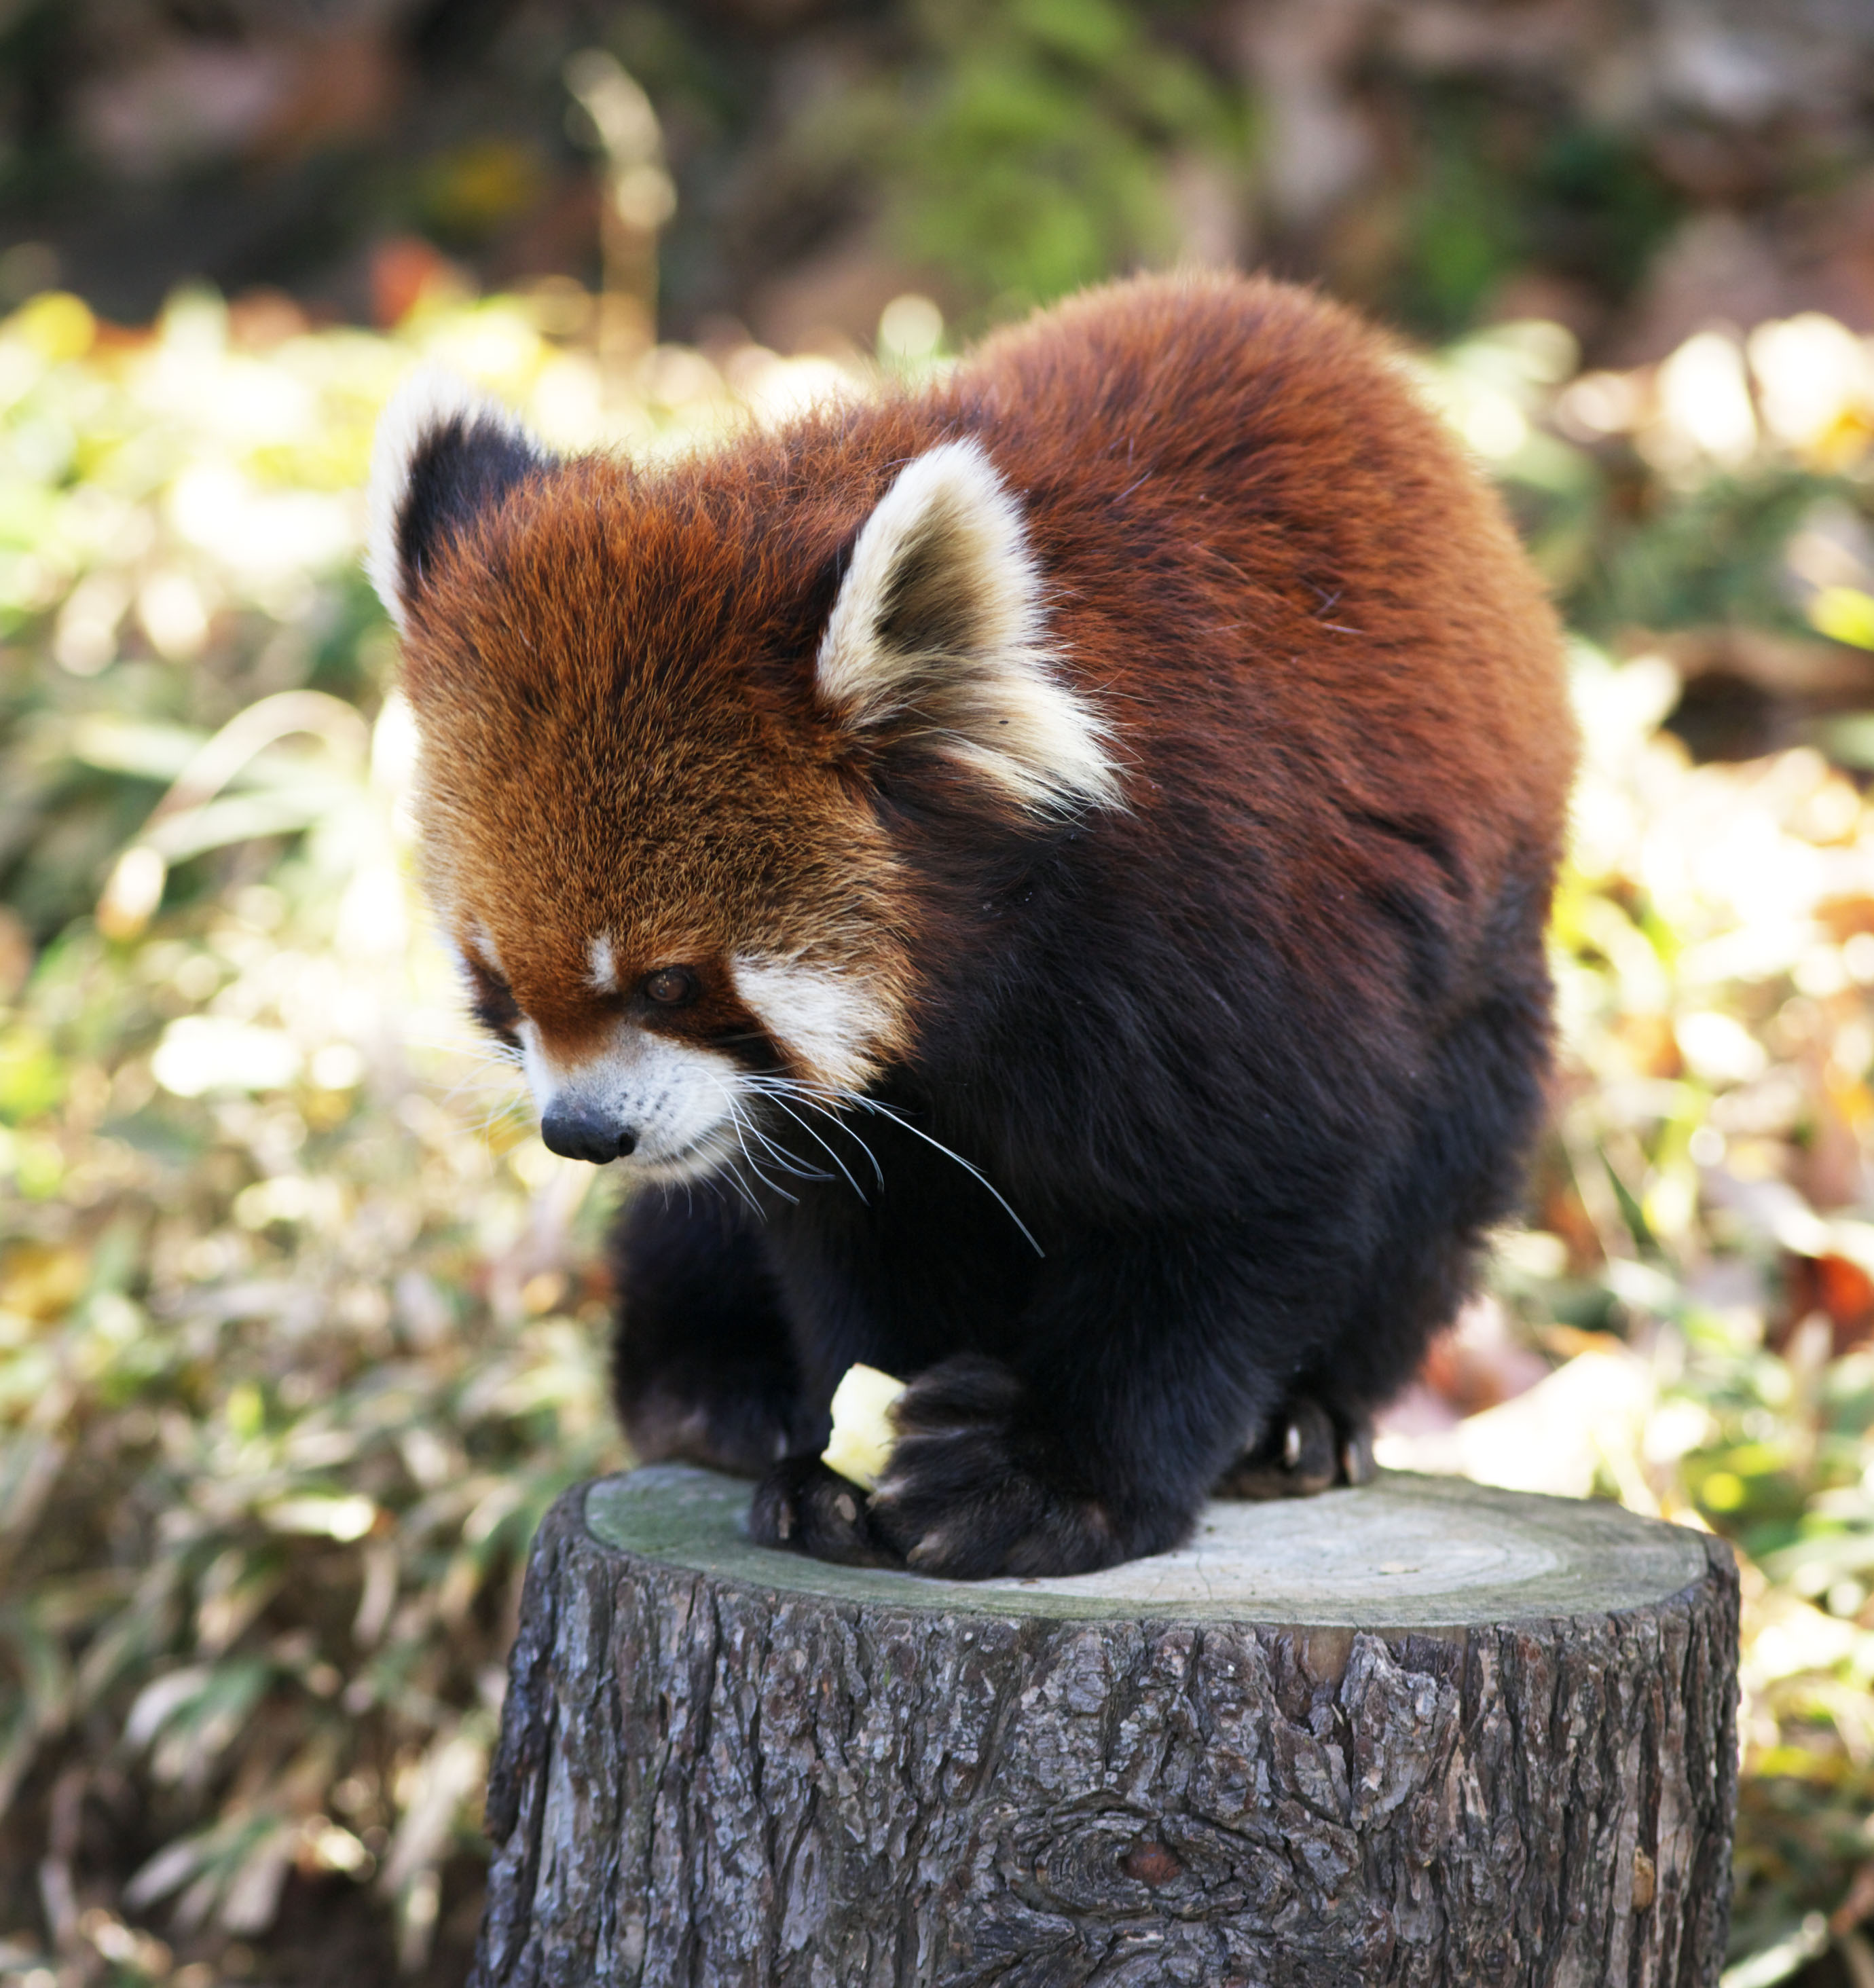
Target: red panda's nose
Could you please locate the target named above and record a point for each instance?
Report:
(577, 1135)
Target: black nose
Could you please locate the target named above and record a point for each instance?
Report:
(577, 1135)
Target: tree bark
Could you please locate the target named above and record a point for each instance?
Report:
(1423, 1732)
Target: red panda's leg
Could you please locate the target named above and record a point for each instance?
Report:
(703, 1368)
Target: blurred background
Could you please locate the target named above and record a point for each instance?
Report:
(301, 1327)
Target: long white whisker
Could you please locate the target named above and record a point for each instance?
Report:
(480, 1085)
(776, 1097)
(863, 1103)
(785, 1155)
(885, 1111)
(506, 1108)
(790, 1163)
(782, 1088)
(727, 1171)
(476, 1044)
(736, 1119)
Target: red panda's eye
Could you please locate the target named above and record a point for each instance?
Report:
(493, 1002)
(671, 987)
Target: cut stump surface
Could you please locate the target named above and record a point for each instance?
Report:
(1424, 1732)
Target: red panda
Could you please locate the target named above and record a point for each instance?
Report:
(1038, 879)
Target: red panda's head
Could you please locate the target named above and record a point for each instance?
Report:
(651, 711)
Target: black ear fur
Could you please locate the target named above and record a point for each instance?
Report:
(444, 456)
(456, 471)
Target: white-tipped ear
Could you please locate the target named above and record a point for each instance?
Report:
(443, 452)
(937, 637)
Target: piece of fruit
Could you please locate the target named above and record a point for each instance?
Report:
(862, 1432)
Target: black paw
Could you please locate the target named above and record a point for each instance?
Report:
(969, 1492)
(802, 1504)
(1305, 1451)
(737, 1419)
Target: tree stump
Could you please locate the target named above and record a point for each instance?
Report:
(1424, 1732)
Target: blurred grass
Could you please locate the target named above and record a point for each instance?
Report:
(299, 1326)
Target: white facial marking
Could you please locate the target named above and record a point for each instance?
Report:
(672, 1097)
(826, 1019)
(938, 629)
(478, 942)
(602, 972)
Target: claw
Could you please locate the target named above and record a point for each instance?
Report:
(1308, 1449)
(1311, 1455)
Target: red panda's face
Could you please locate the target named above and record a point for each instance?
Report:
(656, 890)
(646, 822)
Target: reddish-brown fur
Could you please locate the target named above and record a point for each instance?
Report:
(1371, 604)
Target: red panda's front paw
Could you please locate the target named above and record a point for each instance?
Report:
(803, 1505)
(964, 1496)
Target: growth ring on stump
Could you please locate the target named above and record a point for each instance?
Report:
(1424, 1732)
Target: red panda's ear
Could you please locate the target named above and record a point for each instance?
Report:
(443, 454)
(936, 640)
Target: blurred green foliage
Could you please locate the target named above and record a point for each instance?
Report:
(1496, 184)
(1033, 157)
(1002, 154)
